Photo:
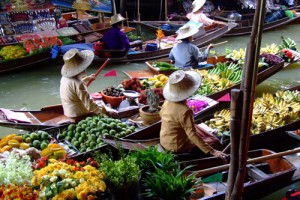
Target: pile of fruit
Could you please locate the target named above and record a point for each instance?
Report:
(158, 81)
(269, 112)
(219, 78)
(12, 52)
(39, 139)
(53, 151)
(164, 66)
(113, 92)
(87, 134)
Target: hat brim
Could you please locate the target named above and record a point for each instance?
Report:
(121, 20)
(176, 96)
(198, 6)
(188, 34)
(88, 56)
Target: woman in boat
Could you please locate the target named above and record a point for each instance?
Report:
(115, 39)
(179, 133)
(185, 54)
(75, 98)
(198, 15)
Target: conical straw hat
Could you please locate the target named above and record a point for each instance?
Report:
(197, 4)
(116, 18)
(186, 31)
(181, 85)
(76, 62)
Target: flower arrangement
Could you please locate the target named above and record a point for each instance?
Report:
(68, 179)
(17, 192)
(286, 55)
(159, 34)
(16, 170)
(196, 105)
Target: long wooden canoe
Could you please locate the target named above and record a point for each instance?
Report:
(52, 116)
(212, 34)
(262, 177)
(244, 26)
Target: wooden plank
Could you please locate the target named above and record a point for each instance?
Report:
(256, 173)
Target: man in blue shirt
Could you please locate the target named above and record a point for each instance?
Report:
(185, 54)
(115, 39)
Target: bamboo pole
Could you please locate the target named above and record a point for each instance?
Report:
(138, 11)
(166, 10)
(114, 7)
(250, 161)
(235, 124)
(248, 87)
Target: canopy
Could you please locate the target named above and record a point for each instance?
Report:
(93, 5)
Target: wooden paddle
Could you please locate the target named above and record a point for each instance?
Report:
(98, 71)
(252, 160)
(217, 44)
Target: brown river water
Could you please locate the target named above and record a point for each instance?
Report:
(39, 86)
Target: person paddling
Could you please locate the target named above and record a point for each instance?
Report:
(185, 54)
(179, 133)
(75, 98)
(198, 14)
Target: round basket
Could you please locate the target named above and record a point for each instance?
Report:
(113, 101)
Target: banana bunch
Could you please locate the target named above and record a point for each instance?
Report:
(237, 55)
(270, 111)
(270, 49)
(288, 44)
(158, 81)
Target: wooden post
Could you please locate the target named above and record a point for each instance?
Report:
(248, 87)
(166, 10)
(235, 124)
(114, 7)
(138, 11)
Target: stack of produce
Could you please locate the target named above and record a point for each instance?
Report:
(87, 134)
(269, 112)
(35, 45)
(12, 52)
(133, 84)
(196, 105)
(158, 81)
(113, 92)
(164, 66)
(219, 78)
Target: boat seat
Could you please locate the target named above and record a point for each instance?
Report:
(256, 173)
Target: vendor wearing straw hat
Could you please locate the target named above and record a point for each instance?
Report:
(185, 54)
(115, 39)
(75, 99)
(198, 15)
(178, 131)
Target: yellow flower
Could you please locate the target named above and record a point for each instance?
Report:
(78, 175)
(52, 160)
(82, 195)
(91, 197)
(159, 34)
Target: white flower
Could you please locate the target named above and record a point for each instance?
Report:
(53, 179)
(81, 180)
(49, 193)
(56, 172)
(62, 172)
(73, 184)
(53, 186)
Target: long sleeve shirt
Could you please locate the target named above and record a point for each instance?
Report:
(200, 17)
(76, 99)
(178, 132)
(186, 55)
(115, 39)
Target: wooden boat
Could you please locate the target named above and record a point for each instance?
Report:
(47, 117)
(52, 116)
(263, 177)
(137, 56)
(210, 60)
(244, 26)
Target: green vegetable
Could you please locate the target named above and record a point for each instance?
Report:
(164, 64)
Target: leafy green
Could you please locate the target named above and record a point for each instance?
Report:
(119, 173)
(170, 186)
(151, 158)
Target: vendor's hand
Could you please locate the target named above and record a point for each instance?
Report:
(92, 77)
(210, 46)
(219, 154)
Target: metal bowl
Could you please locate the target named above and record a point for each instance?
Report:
(234, 16)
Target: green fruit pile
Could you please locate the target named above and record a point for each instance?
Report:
(38, 139)
(86, 135)
(12, 52)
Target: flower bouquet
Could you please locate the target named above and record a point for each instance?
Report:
(68, 179)
(196, 105)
